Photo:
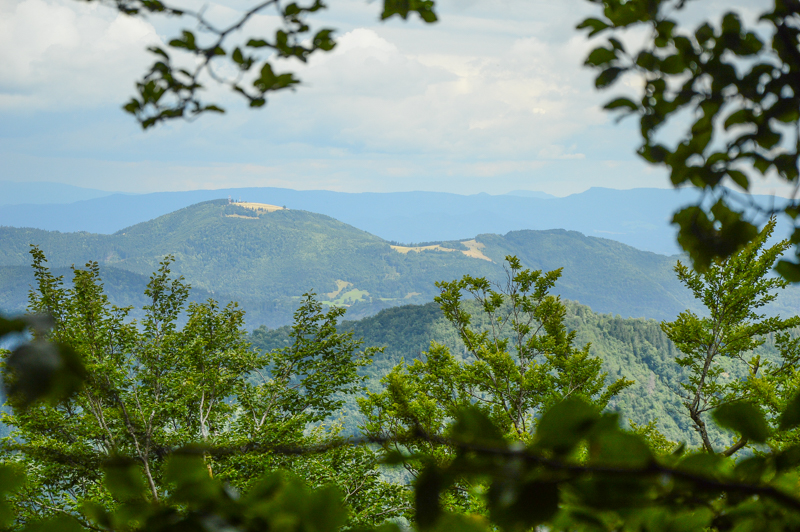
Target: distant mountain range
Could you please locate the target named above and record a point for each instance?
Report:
(266, 257)
(43, 192)
(638, 217)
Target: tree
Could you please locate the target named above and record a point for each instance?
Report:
(738, 83)
(518, 361)
(153, 387)
(717, 348)
(576, 470)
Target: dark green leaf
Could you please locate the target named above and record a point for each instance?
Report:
(607, 77)
(124, 481)
(42, 370)
(600, 56)
(617, 448)
(790, 418)
(564, 425)
(789, 271)
(621, 103)
(745, 419)
(426, 497)
(473, 426)
(739, 178)
(594, 24)
(523, 506)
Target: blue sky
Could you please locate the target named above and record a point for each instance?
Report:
(491, 99)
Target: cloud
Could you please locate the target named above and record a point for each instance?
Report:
(492, 98)
(67, 53)
(373, 95)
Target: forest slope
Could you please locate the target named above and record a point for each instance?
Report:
(631, 347)
(266, 260)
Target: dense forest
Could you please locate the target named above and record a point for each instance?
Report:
(633, 348)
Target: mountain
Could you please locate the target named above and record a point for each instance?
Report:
(265, 257)
(531, 194)
(43, 192)
(637, 217)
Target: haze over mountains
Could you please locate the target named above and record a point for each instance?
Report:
(638, 217)
(266, 257)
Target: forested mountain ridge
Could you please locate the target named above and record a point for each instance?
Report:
(266, 259)
(636, 217)
(634, 348)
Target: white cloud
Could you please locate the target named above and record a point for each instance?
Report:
(492, 98)
(62, 52)
(372, 95)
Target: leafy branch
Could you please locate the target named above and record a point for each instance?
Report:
(169, 91)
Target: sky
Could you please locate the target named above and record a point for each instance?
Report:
(492, 98)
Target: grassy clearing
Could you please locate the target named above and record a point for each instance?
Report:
(474, 250)
(258, 207)
(340, 285)
(405, 249)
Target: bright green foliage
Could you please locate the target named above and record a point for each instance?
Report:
(576, 471)
(154, 386)
(739, 85)
(523, 363)
(718, 348)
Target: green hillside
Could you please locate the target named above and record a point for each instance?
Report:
(632, 347)
(267, 258)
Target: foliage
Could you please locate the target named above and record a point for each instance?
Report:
(718, 348)
(635, 348)
(575, 469)
(510, 377)
(169, 91)
(152, 387)
(738, 83)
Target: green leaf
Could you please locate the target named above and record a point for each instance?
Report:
(751, 469)
(523, 506)
(745, 419)
(702, 463)
(607, 77)
(790, 418)
(187, 41)
(257, 43)
(596, 26)
(124, 481)
(788, 270)
(621, 103)
(61, 524)
(788, 459)
(426, 497)
(690, 521)
(8, 326)
(564, 425)
(42, 370)
(673, 64)
(739, 117)
(739, 178)
(617, 448)
(473, 426)
(600, 56)
(706, 239)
